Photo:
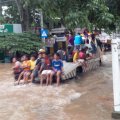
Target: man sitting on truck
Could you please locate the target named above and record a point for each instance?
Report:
(38, 66)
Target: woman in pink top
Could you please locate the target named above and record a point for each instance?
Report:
(82, 58)
(82, 54)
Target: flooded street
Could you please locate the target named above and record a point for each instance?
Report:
(89, 97)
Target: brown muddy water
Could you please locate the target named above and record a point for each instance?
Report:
(89, 97)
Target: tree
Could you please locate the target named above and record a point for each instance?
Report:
(21, 11)
(99, 14)
(114, 8)
(71, 14)
(24, 42)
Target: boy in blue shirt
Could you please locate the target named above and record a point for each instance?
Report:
(57, 66)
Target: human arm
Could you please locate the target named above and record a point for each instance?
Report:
(75, 57)
(62, 69)
(17, 65)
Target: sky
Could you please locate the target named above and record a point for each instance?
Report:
(4, 8)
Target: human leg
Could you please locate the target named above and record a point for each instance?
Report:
(33, 75)
(41, 79)
(20, 76)
(58, 77)
(48, 79)
(51, 76)
(43, 76)
(26, 76)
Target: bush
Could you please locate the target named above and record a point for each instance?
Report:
(22, 42)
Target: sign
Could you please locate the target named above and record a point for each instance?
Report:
(2, 26)
(44, 33)
(7, 28)
(61, 39)
(50, 42)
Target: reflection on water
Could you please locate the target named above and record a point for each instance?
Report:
(87, 98)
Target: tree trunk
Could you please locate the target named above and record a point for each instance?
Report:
(0, 10)
(24, 15)
(25, 22)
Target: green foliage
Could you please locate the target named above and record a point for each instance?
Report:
(24, 42)
(114, 8)
(1, 19)
(71, 13)
(79, 13)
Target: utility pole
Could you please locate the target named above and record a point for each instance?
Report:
(41, 20)
(42, 24)
(40, 15)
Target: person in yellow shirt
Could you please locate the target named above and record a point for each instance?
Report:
(76, 56)
(32, 62)
(26, 69)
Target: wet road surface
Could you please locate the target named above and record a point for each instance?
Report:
(89, 97)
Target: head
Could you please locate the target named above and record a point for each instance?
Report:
(70, 34)
(77, 33)
(40, 55)
(44, 55)
(41, 52)
(82, 50)
(56, 56)
(77, 50)
(51, 56)
(32, 57)
(22, 59)
(93, 37)
(69, 47)
(14, 60)
(86, 48)
(25, 57)
(60, 48)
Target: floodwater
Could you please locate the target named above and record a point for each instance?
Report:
(89, 97)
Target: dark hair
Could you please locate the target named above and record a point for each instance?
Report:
(60, 48)
(83, 49)
(86, 47)
(93, 37)
(77, 49)
(33, 56)
(51, 55)
(57, 54)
